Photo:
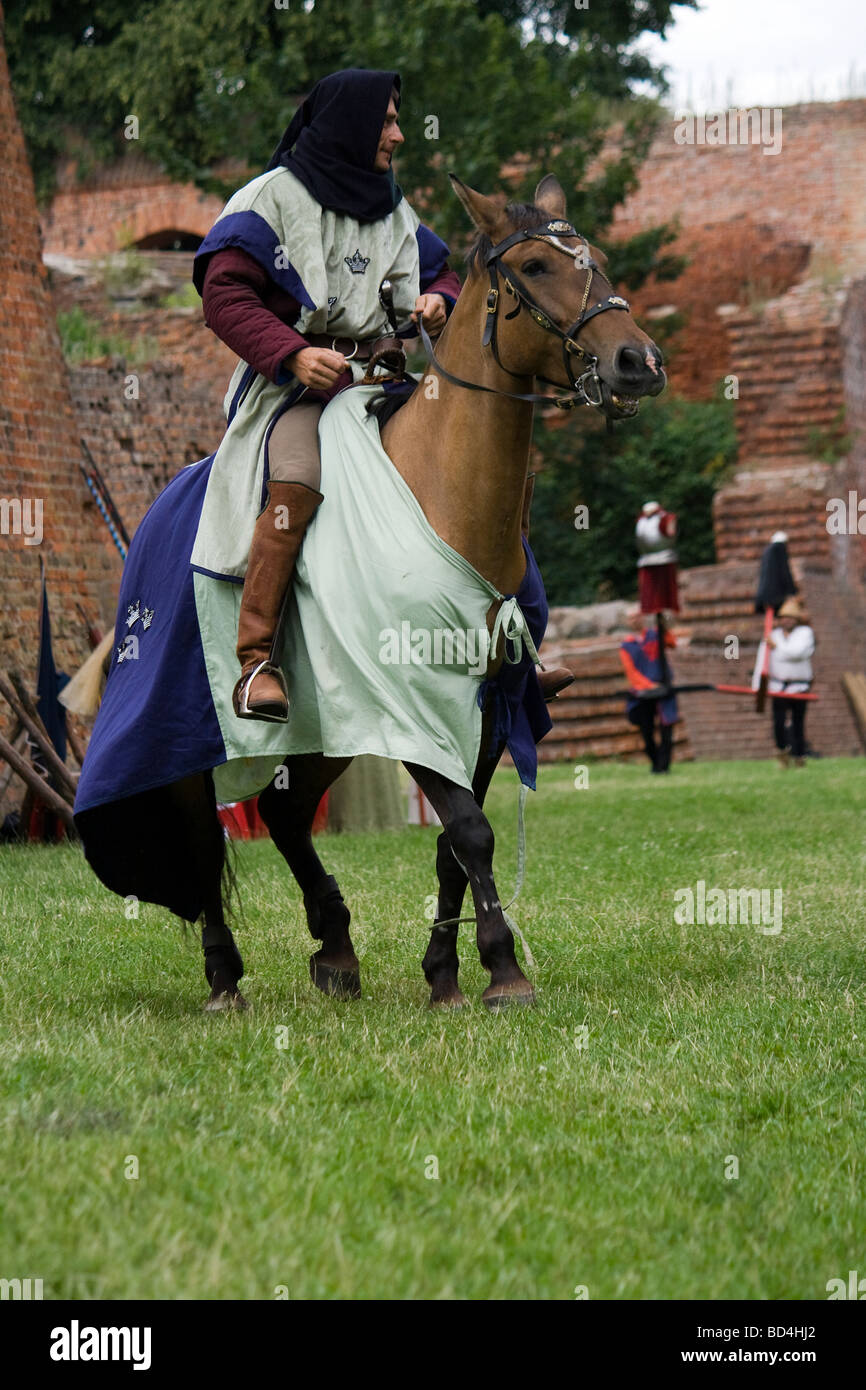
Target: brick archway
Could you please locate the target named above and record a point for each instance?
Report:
(100, 221)
(169, 239)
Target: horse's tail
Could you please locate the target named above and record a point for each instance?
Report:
(229, 885)
(83, 694)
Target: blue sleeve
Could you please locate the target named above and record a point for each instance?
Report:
(252, 234)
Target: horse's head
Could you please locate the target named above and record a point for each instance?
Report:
(550, 310)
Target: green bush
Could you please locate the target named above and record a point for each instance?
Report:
(674, 451)
(84, 340)
(186, 298)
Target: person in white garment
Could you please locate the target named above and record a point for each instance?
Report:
(792, 646)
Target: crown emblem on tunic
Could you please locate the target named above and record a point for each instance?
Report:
(357, 263)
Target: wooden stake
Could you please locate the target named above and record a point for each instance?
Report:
(37, 784)
(27, 712)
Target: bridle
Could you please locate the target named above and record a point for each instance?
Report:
(588, 388)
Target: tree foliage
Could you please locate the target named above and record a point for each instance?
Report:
(514, 88)
(210, 82)
(676, 452)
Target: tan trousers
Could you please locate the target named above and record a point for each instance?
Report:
(293, 448)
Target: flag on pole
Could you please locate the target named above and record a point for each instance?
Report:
(49, 683)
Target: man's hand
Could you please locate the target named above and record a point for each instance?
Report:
(318, 368)
(431, 309)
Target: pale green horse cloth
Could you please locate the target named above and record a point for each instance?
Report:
(368, 658)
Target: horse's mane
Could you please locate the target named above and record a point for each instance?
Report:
(521, 216)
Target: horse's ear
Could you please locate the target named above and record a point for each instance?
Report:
(550, 197)
(487, 214)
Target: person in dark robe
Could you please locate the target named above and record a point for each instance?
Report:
(646, 673)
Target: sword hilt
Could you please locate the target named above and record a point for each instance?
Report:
(386, 299)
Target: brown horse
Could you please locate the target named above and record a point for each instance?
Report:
(463, 448)
(536, 305)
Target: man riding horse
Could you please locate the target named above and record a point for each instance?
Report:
(290, 279)
(422, 529)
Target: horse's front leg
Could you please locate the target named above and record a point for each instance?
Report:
(288, 812)
(441, 963)
(472, 843)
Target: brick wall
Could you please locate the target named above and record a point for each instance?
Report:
(751, 224)
(39, 450)
(140, 444)
(97, 221)
(717, 604)
(853, 337)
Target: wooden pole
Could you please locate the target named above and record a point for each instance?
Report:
(761, 695)
(663, 661)
(29, 707)
(29, 716)
(37, 784)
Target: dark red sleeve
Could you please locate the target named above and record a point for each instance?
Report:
(234, 309)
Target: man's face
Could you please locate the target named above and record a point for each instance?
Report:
(389, 140)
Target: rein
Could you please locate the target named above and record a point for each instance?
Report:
(588, 380)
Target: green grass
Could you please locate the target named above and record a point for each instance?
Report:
(559, 1166)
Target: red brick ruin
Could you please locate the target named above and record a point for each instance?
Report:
(774, 299)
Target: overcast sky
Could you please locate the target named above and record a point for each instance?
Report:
(763, 53)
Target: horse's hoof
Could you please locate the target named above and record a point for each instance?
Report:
(340, 984)
(219, 1003)
(504, 996)
(457, 1000)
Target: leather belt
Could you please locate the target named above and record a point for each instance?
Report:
(349, 347)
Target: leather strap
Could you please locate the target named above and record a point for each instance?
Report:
(565, 402)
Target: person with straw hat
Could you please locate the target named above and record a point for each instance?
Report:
(791, 648)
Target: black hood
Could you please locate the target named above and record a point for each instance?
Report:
(331, 143)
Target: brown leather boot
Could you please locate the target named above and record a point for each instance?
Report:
(261, 691)
(552, 682)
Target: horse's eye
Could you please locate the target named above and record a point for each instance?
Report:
(534, 268)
